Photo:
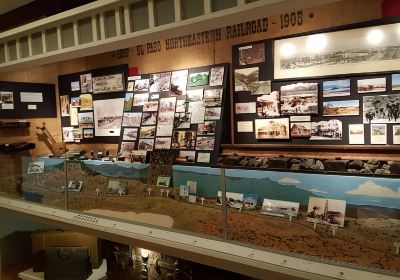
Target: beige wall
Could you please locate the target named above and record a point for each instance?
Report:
(331, 15)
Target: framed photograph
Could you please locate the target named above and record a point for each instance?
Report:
(336, 88)
(198, 112)
(164, 130)
(260, 87)
(280, 208)
(86, 120)
(272, 128)
(341, 108)
(212, 113)
(86, 83)
(326, 211)
(67, 134)
(371, 85)
(203, 157)
(217, 76)
(331, 53)
(180, 106)
(183, 139)
(326, 130)
(160, 82)
(396, 134)
(300, 118)
(77, 133)
(140, 98)
(233, 200)
(268, 105)
(206, 128)
(86, 102)
(141, 85)
(395, 81)
(381, 108)
(108, 83)
(166, 118)
(250, 201)
(64, 103)
(167, 104)
(212, 97)
(205, 143)
(128, 101)
(179, 83)
(252, 54)
(300, 129)
(75, 86)
(182, 120)
(194, 95)
(117, 187)
(73, 117)
(108, 116)
(186, 156)
(245, 126)
(149, 118)
(74, 186)
(75, 101)
(147, 131)
(150, 106)
(88, 133)
(198, 79)
(378, 134)
(163, 181)
(35, 167)
(132, 119)
(299, 99)
(126, 147)
(356, 134)
(245, 77)
(146, 144)
(245, 108)
(162, 143)
(130, 134)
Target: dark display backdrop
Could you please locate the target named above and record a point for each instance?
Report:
(266, 73)
(64, 88)
(45, 109)
(222, 130)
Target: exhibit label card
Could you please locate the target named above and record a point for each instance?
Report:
(246, 126)
(356, 134)
(300, 118)
(31, 97)
(203, 157)
(245, 108)
(74, 116)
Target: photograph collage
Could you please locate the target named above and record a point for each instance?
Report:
(177, 110)
(351, 110)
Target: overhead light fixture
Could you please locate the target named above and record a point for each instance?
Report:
(375, 36)
(287, 50)
(316, 43)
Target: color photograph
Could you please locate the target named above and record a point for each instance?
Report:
(188, 157)
(356, 134)
(279, 208)
(381, 108)
(212, 97)
(378, 134)
(132, 119)
(217, 76)
(163, 181)
(299, 99)
(86, 120)
(396, 134)
(245, 77)
(300, 129)
(128, 101)
(77, 133)
(86, 102)
(326, 130)
(86, 83)
(160, 82)
(395, 81)
(178, 83)
(341, 108)
(272, 128)
(268, 105)
(198, 79)
(336, 88)
(371, 85)
(88, 133)
(183, 139)
(75, 102)
(252, 54)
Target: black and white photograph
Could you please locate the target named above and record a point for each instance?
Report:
(341, 108)
(164, 129)
(162, 143)
(326, 211)
(233, 200)
(194, 95)
(205, 143)
(128, 101)
(86, 120)
(126, 147)
(378, 134)
(141, 85)
(140, 98)
(166, 118)
(217, 76)
(108, 83)
(74, 186)
(77, 133)
(206, 128)
(132, 119)
(326, 130)
(167, 104)
(337, 53)
(252, 54)
(260, 87)
(300, 129)
(245, 77)
(160, 82)
(67, 134)
(130, 134)
(198, 79)
(279, 208)
(396, 134)
(395, 81)
(381, 108)
(86, 83)
(35, 167)
(7, 100)
(212, 97)
(117, 187)
(183, 139)
(181, 106)
(179, 83)
(150, 106)
(268, 105)
(245, 108)
(108, 116)
(182, 120)
(198, 112)
(336, 88)
(356, 134)
(186, 156)
(203, 157)
(147, 131)
(299, 99)
(146, 144)
(272, 128)
(371, 85)
(212, 113)
(149, 118)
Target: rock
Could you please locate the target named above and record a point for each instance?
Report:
(319, 164)
(265, 162)
(386, 166)
(356, 164)
(308, 162)
(381, 171)
(259, 162)
(335, 165)
(353, 171)
(366, 170)
(395, 168)
(371, 166)
(281, 163)
(295, 161)
(252, 161)
(232, 160)
(295, 166)
(244, 162)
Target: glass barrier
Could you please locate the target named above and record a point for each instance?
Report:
(10, 179)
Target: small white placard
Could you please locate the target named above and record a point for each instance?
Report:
(300, 118)
(31, 97)
(245, 126)
(134, 78)
(203, 157)
(32, 107)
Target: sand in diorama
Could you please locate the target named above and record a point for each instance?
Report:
(10, 181)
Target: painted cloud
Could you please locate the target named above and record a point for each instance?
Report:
(314, 190)
(288, 181)
(370, 188)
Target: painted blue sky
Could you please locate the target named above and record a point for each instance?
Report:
(396, 79)
(343, 103)
(336, 84)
